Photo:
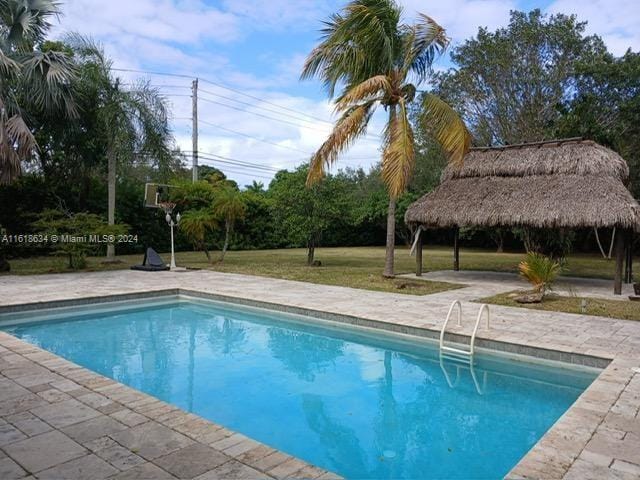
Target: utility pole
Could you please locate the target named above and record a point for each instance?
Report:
(194, 129)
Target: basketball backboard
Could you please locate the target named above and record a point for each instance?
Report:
(156, 194)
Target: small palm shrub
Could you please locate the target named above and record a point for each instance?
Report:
(540, 271)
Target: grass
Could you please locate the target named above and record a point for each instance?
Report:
(358, 267)
(626, 310)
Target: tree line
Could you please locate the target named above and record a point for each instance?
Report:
(78, 140)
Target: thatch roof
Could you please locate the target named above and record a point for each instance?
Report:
(560, 184)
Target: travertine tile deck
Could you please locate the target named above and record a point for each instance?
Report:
(599, 437)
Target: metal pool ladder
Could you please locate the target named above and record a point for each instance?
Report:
(459, 350)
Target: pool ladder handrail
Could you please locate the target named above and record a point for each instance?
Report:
(459, 351)
(472, 370)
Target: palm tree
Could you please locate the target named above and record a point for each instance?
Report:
(230, 206)
(195, 224)
(373, 56)
(255, 187)
(135, 118)
(31, 80)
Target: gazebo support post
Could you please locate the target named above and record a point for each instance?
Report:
(456, 250)
(620, 253)
(628, 269)
(419, 254)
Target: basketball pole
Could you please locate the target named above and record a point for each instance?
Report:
(194, 129)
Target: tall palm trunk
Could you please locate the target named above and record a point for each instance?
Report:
(391, 221)
(391, 239)
(111, 200)
(227, 228)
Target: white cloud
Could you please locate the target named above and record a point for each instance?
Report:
(164, 20)
(616, 21)
(279, 15)
(461, 18)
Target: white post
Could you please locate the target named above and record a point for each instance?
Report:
(172, 224)
(173, 256)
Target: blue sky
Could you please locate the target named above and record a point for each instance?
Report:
(258, 47)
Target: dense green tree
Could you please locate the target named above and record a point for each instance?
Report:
(367, 50)
(508, 84)
(257, 230)
(302, 214)
(606, 108)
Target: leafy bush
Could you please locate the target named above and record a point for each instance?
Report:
(540, 271)
(76, 235)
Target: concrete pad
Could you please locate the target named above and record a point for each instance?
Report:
(192, 461)
(88, 430)
(10, 470)
(83, 468)
(10, 434)
(28, 423)
(147, 471)
(44, 451)
(9, 389)
(20, 404)
(232, 470)
(129, 417)
(151, 440)
(120, 457)
(65, 413)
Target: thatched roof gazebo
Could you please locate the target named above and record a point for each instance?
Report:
(569, 184)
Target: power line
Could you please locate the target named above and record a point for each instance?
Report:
(240, 163)
(254, 138)
(224, 169)
(259, 114)
(234, 107)
(372, 136)
(240, 92)
(149, 72)
(219, 162)
(257, 106)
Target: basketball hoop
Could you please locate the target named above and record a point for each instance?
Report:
(167, 206)
(156, 194)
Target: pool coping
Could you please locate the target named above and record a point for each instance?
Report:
(553, 455)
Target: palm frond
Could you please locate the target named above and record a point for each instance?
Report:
(195, 224)
(229, 204)
(27, 21)
(446, 126)
(424, 41)
(398, 160)
(347, 129)
(20, 136)
(365, 91)
(540, 271)
(357, 44)
(9, 68)
(49, 76)
(16, 143)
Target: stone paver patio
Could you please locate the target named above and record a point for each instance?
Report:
(58, 420)
(502, 282)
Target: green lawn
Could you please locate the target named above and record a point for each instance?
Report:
(626, 310)
(358, 267)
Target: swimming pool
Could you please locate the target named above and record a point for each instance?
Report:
(361, 404)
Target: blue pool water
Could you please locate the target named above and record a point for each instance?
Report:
(359, 404)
